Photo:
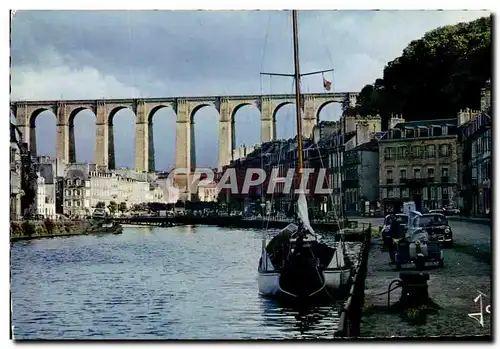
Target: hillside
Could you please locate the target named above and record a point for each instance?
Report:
(435, 77)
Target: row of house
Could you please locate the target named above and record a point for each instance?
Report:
(436, 163)
(76, 189)
(328, 149)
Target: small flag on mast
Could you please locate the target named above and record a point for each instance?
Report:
(326, 84)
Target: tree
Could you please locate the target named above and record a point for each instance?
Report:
(100, 204)
(112, 207)
(122, 207)
(435, 77)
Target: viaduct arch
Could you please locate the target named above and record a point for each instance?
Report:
(25, 113)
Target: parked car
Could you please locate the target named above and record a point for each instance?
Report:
(450, 210)
(99, 213)
(417, 247)
(438, 228)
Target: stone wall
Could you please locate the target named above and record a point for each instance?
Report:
(25, 230)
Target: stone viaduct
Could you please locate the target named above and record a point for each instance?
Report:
(25, 113)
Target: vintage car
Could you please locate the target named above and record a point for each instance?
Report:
(384, 230)
(451, 211)
(416, 247)
(436, 225)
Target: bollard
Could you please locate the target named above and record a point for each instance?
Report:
(414, 291)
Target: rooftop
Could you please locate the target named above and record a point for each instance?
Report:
(428, 123)
(371, 145)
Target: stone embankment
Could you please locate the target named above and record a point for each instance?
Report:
(27, 230)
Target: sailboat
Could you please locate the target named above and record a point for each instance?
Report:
(296, 263)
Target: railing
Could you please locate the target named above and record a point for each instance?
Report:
(291, 220)
(350, 317)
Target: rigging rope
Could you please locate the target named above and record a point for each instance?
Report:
(326, 45)
(265, 41)
(282, 142)
(130, 72)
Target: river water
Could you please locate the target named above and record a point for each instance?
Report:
(183, 282)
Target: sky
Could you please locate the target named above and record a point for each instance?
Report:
(138, 54)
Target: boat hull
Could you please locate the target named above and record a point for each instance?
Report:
(269, 283)
(334, 281)
(336, 278)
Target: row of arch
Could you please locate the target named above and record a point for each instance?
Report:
(206, 130)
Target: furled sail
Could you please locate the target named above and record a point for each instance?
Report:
(303, 214)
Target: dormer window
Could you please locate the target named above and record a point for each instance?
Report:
(69, 182)
(444, 130)
(77, 182)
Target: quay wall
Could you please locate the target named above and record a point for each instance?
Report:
(28, 230)
(350, 317)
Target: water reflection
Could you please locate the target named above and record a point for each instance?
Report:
(188, 229)
(180, 282)
(302, 320)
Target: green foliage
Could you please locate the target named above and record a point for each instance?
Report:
(16, 229)
(113, 206)
(49, 225)
(435, 76)
(122, 207)
(28, 228)
(100, 204)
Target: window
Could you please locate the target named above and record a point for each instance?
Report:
(433, 193)
(68, 192)
(68, 182)
(388, 153)
(444, 150)
(445, 192)
(389, 176)
(416, 151)
(431, 151)
(404, 192)
(444, 172)
(444, 130)
(416, 173)
(402, 173)
(401, 151)
(68, 203)
(430, 172)
(12, 154)
(77, 182)
(390, 192)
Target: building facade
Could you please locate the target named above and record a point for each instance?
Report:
(77, 191)
(49, 170)
(418, 162)
(15, 174)
(475, 140)
(361, 167)
(208, 192)
(123, 187)
(323, 159)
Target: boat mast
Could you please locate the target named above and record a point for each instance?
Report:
(297, 94)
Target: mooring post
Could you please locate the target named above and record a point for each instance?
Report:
(414, 291)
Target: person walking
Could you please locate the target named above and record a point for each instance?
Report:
(394, 234)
